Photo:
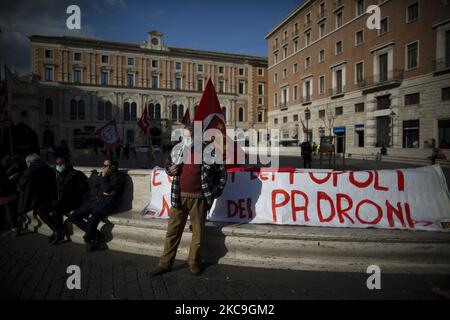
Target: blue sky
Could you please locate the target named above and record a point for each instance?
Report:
(228, 26)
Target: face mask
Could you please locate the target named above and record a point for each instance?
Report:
(188, 142)
(60, 168)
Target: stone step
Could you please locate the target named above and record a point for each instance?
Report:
(284, 247)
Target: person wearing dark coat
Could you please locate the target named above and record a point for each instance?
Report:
(306, 154)
(72, 187)
(10, 171)
(111, 186)
(37, 185)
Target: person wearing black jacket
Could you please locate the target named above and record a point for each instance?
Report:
(87, 217)
(37, 185)
(71, 186)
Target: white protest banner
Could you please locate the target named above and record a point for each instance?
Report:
(410, 199)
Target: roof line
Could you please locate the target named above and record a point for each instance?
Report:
(288, 17)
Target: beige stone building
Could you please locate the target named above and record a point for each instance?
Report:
(85, 83)
(388, 86)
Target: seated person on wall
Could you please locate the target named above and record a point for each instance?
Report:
(37, 186)
(88, 216)
(194, 188)
(10, 172)
(72, 187)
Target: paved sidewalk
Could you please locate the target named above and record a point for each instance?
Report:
(32, 269)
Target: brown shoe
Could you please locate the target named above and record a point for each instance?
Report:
(159, 270)
(195, 269)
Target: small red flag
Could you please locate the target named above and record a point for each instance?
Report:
(143, 122)
(109, 135)
(186, 117)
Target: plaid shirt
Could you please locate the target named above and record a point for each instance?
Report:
(213, 178)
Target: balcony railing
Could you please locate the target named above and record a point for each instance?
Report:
(338, 4)
(308, 24)
(276, 46)
(382, 78)
(295, 33)
(441, 64)
(284, 41)
(337, 91)
(321, 15)
(283, 105)
(306, 99)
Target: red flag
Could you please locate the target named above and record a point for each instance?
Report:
(109, 135)
(143, 122)
(186, 117)
(304, 128)
(209, 112)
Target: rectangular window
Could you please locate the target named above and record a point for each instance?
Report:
(285, 119)
(130, 79)
(48, 74)
(295, 117)
(104, 78)
(383, 102)
(130, 61)
(339, 111)
(49, 54)
(411, 133)
(155, 82)
(360, 72)
(359, 135)
(446, 94)
(155, 64)
(322, 85)
(275, 121)
(322, 30)
(199, 68)
(77, 76)
(260, 71)
(321, 114)
(295, 45)
(359, 38)
(276, 58)
(338, 47)
(308, 38)
(413, 12)
(177, 83)
(177, 65)
(199, 85)
(295, 92)
(77, 56)
(261, 89)
(359, 107)
(412, 55)
(241, 71)
(275, 77)
(241, 87)
(384, 26)
(104, 59)
(338, 20)
(360, 9)
(322, 55)
(412, 99)
(275, 99)
(295, 70)
(307, 62)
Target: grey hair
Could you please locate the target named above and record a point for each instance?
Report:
(32, 157)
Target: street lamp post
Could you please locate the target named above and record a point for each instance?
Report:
(392, 116)
(307, 113)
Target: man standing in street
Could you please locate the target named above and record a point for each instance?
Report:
(88, 216)
(306, 154)
(72, 187)
(194, 188)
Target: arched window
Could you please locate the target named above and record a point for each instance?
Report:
(174, 112)
(133, 111)
(101, 110)
(108, 110)
(157, 111)
(126, 111)
(81, 110)
(180, 112)
(73, 109)
(151, 111)
(224, 112)
(48, 107)
(241, 115)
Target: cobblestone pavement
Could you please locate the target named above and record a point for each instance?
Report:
(30, 268)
